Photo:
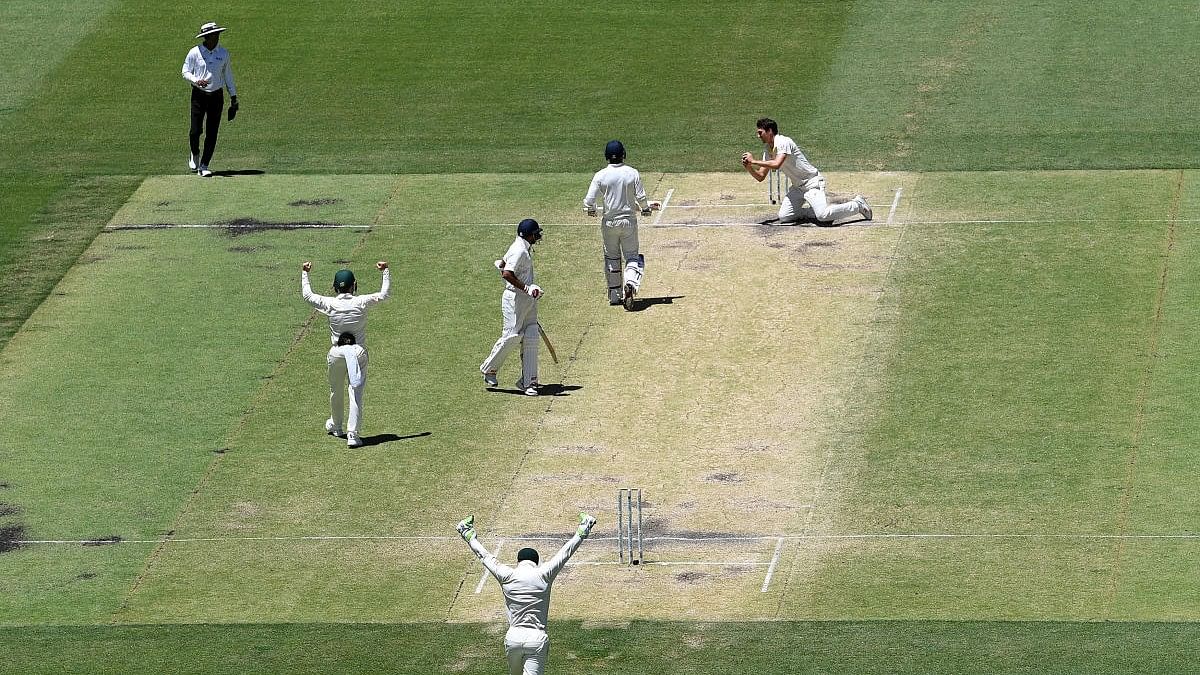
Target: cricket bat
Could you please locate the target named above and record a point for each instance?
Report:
(549, 345)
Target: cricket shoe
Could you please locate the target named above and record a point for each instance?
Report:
(628, 301)
(204, 171)
(864, 208)
(333, 429)
(531, 390)
(489, 379)
(192, 162)
(353, 441)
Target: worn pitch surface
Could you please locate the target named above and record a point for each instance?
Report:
(768, 395)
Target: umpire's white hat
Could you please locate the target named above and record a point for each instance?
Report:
(209, 28)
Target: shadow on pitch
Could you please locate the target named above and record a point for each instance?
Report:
(544, 390)
(643, 304)
(239, 172)
(812, 222)
(380, 439)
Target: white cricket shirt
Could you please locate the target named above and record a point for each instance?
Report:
(519, 260)
(202, 64)
(346, 312)
(796, 167)
(620, 187)
(526, 587)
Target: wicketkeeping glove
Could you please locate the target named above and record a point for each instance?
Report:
(466, 528)
(585, 525)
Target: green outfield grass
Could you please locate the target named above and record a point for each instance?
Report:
(961, 436)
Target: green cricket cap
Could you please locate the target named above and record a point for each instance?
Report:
(343, 280)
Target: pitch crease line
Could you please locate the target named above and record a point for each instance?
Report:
(774, 562)
(665, 205)
(483, 577)
(895, 203)
(694, 540)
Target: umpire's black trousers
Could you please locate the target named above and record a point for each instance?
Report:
(206, 105)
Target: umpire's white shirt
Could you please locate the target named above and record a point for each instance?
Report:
(620, 186)
(526, 587)
(202, 64)
(518, 259)
(346, 312)
(797, 167)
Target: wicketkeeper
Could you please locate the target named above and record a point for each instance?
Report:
(619, 186)
(347, 314)
(518, 308)
(526, 589)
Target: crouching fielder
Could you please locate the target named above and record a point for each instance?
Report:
(808, 185)
(619, 187)
(518, 308)
(526, 590)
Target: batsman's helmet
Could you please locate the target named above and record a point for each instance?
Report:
(527, 554)
(614, 152)
(529, 227)
(343, 281)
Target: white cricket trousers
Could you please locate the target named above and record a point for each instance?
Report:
(519, 312)
(813, 192)
(339, 386)
(620, 238)
(527, 650)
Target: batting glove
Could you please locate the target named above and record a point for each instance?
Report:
(591, 211)
(585, 525)
(534, 290)
(466, 528)
(646, 212)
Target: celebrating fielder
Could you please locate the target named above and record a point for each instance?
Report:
(348, 333)
(808, 184)
(526, 590)
(619, 186)
(518, 308)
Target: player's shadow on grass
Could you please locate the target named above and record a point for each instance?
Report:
(643, 304)
(380, 439)
(239, 172)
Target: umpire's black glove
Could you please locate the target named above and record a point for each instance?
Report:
(233, 107)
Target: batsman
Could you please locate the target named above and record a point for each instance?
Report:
(619, 186)
(526, 590)
(518, 309)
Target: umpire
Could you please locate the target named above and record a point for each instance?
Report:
(207, 68)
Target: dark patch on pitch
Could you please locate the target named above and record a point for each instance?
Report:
(11, 537)
(9, 509)
(92, 259)
(245, 249)
(103, 541)
(724, 477)
(240, 226)
(84, 576)
(5, 484)
(691, 577)
(325, 201)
